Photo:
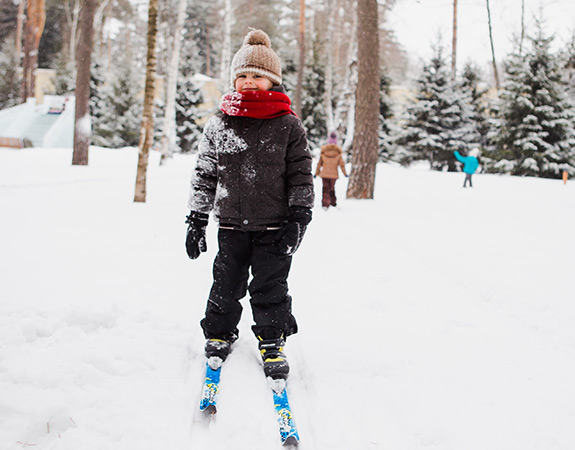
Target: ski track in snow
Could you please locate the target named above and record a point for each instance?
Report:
(433, 317)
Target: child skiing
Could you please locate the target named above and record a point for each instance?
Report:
(470, 164)
(254, 173)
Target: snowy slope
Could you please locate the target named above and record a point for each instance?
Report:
(433, 317)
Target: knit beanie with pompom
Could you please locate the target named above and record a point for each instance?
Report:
(256, 56)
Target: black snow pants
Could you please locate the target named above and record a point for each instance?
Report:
(240, 251)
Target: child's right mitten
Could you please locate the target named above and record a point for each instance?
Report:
(196, 234)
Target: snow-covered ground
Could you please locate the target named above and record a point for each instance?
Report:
(433, 317)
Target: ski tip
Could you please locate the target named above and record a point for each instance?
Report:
(291, 441)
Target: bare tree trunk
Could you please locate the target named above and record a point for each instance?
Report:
(72, 18)
(301, 65)
(227, 47)
(349, 92)
(19, 26)
(522, 26)
(82, 122)
(208, 53)
(365, 150)
(168, 139)
(99, 24)
(495, 74)
(454, 42)
(329, 66)
(147, 127)
(36, 18)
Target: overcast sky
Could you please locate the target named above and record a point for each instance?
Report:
(417, 23)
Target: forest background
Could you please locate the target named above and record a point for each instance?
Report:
(519, 111)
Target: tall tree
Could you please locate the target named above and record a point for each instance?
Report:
(522, 36)
(493, 60)
(365, 142)
(168, 139)
(52, 44)
(439, 120)
(116, 106)
(301, 64)
(147, 128)
(536, 135)
(454, 41)
(9, 95)
(19, 28)
(35, 20)
(347, 99)
(82, 121)
(226, 58)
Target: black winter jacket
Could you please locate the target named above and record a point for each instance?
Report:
(250, 171)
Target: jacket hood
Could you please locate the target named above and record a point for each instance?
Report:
(331, 150)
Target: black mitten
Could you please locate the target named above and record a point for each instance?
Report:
(196, 235)
(292, 232)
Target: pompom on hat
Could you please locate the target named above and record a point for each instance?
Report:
(256, 56)
(332, 139)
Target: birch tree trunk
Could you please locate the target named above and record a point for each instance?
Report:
(301, 64)
(349, 91)
(35, 20)
(82, 122)
(147, 127)
(365, 150)
(99, 24)
(168, 139)
(226, 48)
(331, 11)
(72, 18)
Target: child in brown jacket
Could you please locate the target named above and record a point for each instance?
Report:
(327, 168)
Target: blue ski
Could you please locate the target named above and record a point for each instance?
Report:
(210, 390)
(288, 430)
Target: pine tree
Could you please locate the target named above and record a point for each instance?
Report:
(8, 11)
(313, 108)
(51, 44)
(536, 134)
(97, 100)
(119, 109)
(568, 56)
(65, 77)
(10, 86)
(188, 99)
(200, 37)
(439, 121)
(471, 81)
(385, 114)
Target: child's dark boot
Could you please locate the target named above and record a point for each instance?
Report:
(217, 350)
(275, 362)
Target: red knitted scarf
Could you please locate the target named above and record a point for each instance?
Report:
(256, 104)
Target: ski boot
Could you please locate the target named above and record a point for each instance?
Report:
(273, 357)
(217, 350)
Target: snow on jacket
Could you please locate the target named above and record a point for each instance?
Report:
(250, 171)
(329, 160)
(470, 163)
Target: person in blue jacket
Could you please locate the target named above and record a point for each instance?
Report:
(470, 164)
